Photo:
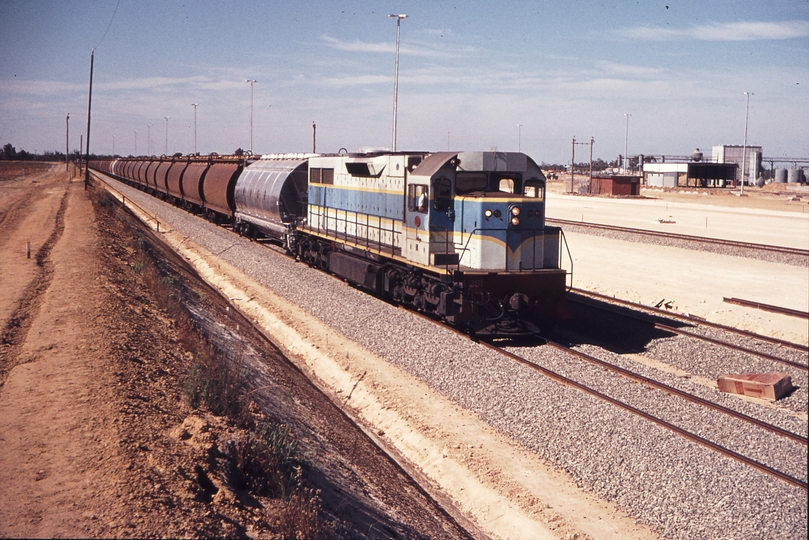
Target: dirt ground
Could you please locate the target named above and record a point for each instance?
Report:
(97, 438)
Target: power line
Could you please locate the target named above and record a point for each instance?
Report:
(108, 26)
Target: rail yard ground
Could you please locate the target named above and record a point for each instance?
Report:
(692, 281)
(98, 438)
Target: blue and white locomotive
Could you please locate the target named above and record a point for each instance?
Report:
(458, 235)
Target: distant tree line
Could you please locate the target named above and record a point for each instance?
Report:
(9, 153)
(598, 165)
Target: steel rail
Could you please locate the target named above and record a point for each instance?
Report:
(643, 414)
(686, 237)
(680, 331)
(659, 421)
(740, 348)
(681, 393)
(767, 307)
(693, 319)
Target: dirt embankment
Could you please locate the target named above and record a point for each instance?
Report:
(98, 374)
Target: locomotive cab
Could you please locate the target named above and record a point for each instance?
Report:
(486, 212)
(486, 225)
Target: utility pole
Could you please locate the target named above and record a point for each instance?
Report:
(589, 189)
(89, 108)
(314, 138)
(572, 163)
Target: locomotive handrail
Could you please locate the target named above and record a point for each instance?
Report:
(325, 230)
(569, 257)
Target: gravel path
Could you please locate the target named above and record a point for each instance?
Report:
(684, 490)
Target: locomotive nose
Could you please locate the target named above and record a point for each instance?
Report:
(519, 302)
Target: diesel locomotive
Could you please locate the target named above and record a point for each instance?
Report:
(460, 236)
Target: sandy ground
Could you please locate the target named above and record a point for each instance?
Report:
(695, 282)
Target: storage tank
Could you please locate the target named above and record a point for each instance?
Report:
(795, 176)
(781, 176)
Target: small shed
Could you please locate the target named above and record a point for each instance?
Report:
(615, 184)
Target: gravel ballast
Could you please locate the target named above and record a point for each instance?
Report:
(682, 489)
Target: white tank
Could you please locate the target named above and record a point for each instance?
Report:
(795, 176)
(781, 176)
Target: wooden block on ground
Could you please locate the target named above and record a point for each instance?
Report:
(771, 386)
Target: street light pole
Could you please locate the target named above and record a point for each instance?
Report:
(744, 146)
(398, 18)
(166, 151)
(626, 141)
(195, 126)
(519, 137)
(252, 82)
(67, 140)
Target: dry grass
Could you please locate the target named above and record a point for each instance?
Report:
(266, 460)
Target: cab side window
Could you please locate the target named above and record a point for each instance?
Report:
(534, 188)
(417, 198)
(469, 182)
(507, 183)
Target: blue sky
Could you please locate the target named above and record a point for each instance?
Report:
(470, 73)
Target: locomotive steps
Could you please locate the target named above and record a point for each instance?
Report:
(505, 490)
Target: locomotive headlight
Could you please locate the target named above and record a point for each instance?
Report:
(515, 221)
(515, 211)
(487, 213)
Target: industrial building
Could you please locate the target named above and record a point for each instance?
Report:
(725, 168)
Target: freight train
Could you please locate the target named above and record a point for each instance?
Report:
(460, 236)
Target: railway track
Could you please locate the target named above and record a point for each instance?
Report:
(687, 333)
(693, 319)
(651, 383)
(684, 237)
(666, 469)
(658, 420)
